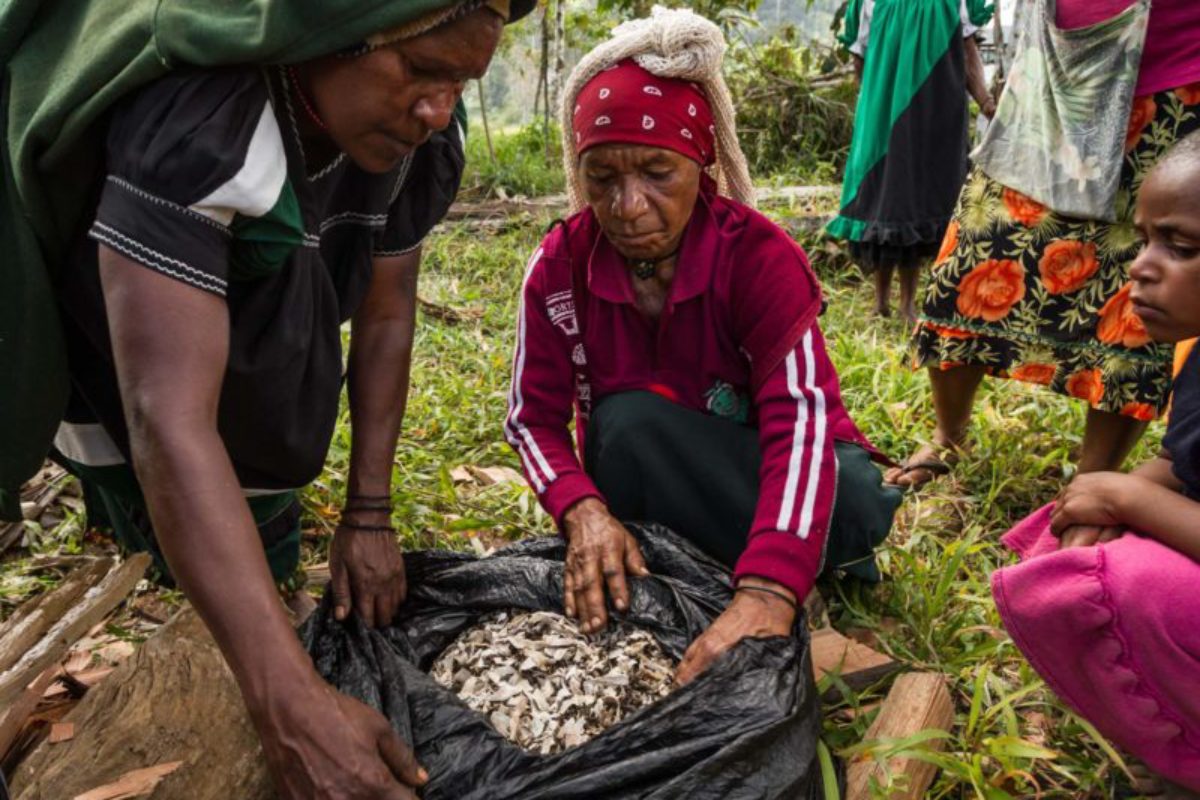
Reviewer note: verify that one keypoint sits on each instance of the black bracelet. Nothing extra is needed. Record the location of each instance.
(377, 528)
(765, 590)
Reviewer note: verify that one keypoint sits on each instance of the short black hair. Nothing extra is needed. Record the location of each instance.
(1184, 154)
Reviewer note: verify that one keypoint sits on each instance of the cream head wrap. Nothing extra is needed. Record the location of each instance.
(671, 43)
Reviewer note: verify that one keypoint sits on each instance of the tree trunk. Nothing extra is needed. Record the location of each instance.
(176, 700)
(545, 80)
(487, 131)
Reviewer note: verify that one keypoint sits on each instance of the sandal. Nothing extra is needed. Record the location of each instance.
(937, 466)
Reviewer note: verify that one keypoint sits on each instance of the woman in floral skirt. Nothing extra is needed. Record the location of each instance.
(1020, 291)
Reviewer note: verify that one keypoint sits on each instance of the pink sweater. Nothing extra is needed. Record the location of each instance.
(738, 331)
(1172, 55)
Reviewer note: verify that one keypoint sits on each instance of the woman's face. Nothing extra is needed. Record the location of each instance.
(643, 196)
(382, 105)
(1166, 273)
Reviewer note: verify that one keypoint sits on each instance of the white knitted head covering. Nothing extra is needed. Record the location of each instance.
(672, 43)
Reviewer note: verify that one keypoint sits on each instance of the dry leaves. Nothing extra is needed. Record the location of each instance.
(546, 686)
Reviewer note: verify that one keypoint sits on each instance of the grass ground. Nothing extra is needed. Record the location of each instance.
(1012, 738)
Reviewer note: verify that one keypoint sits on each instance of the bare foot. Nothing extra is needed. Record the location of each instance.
(910, 316)
(929, 462)
(882, 311)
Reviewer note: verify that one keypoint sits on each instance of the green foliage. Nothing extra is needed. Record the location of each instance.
(795, 122)
(523, 166)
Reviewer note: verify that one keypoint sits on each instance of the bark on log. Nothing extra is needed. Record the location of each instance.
(918, 701)
(176, 700)
(40, 633)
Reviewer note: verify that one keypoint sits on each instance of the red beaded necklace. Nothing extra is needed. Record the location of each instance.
(308, 108)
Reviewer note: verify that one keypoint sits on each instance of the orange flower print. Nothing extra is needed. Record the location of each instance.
(1022, 209)
(1066, 265)
(1035, 373)
(1141, 411)
(949, 242)
(1118, 324)
(1144, 109)
(991, 289)
(1087, 385)
(1189, 95)
(946, 332)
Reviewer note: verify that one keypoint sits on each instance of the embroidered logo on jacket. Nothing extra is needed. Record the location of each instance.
(560, 308)
(725, 401)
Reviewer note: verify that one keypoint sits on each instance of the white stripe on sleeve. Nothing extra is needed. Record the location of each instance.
(818, 442)
(516, 432)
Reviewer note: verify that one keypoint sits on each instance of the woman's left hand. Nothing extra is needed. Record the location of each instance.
(1088, 510)
(367, 570)
(751, 614)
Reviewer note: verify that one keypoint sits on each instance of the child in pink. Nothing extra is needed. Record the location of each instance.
(1106, 601)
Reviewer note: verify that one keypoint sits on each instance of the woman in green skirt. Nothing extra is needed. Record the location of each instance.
(916, 59)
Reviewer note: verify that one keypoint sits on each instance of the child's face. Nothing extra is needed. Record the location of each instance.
(1166, 273)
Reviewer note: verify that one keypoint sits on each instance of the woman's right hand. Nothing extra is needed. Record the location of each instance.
(599, 553)
(323, 745)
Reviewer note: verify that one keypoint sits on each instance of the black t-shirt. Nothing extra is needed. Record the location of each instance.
(207, 184)
(1183, 430)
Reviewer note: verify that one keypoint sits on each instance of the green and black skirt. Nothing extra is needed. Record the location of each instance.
(908, 157)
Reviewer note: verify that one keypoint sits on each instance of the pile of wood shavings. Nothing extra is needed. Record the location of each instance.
(546, 686)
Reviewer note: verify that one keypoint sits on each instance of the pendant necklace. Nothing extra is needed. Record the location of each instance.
(644, 268)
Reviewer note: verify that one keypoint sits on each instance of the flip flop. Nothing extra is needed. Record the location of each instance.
(937, 468)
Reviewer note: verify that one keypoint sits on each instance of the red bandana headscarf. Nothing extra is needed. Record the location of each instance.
(626, 104)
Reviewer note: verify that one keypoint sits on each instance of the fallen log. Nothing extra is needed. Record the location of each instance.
(174, 701)
(918, 701)
(40, 632)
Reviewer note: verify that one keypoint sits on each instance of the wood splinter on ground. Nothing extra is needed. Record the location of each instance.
(918, 701)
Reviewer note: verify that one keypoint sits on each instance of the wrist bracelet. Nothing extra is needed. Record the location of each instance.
(765, 590)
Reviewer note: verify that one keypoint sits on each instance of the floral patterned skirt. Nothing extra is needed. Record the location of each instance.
(1029, 294)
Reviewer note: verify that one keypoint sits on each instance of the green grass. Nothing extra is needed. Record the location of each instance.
(1012, 738)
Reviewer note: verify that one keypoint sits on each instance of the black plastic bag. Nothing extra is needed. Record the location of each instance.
(746, 728)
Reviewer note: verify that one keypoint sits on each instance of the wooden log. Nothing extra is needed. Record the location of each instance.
(857, 665)
(918, 701)
(175, 700)
(41, 633)
(18, 713)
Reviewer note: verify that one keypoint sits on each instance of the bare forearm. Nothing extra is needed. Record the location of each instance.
(1159, 470)
(381, 344)
(1163, 514)
(976, 84)
(209, 539)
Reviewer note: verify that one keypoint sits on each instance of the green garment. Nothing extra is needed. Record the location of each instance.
(908, 40)
(656, 461)
(67, 62)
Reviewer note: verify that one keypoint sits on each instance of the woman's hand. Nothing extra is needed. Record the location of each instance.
(599, 552)
(323, 745)
(751, 614)
(1088, 510)
(367, 568)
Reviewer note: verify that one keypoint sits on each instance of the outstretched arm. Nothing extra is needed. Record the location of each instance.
(170, 344)
(365, 560)
(976, 84)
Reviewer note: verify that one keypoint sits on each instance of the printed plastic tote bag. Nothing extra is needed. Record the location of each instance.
(1060, 125)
